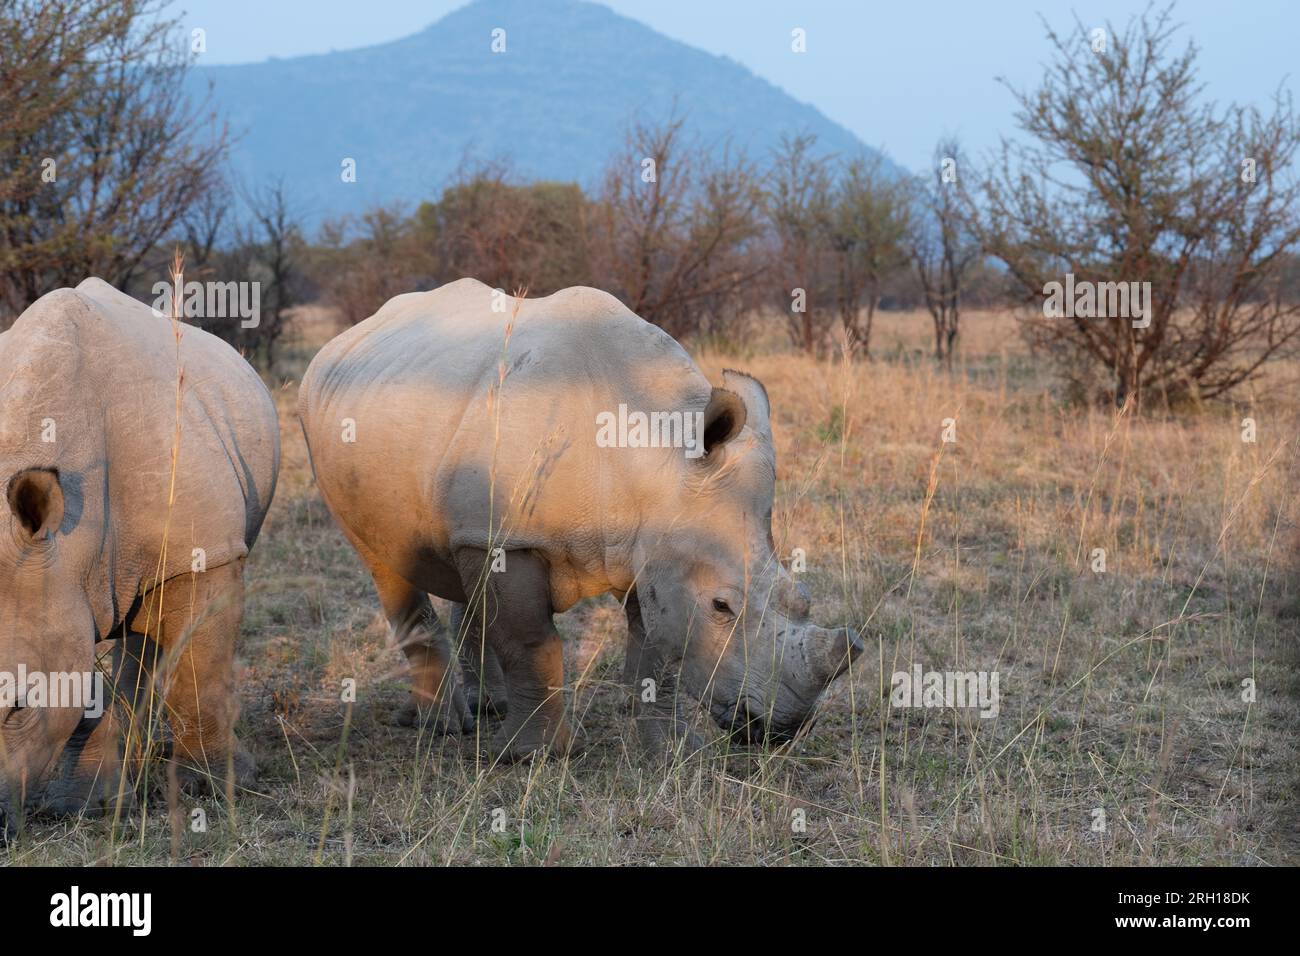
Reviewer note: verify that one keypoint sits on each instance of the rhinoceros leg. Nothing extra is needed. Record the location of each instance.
(437, 699)
(200, 619)
(485, 685)
(514, 605)
(136, 659)
(652, 677)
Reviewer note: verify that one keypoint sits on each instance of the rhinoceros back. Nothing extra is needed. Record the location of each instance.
(168, 449)
(473, 416)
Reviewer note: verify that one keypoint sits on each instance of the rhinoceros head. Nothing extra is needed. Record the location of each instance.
(712, 588)
(47, 634)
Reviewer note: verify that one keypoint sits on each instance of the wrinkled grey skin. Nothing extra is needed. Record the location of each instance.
(441, 429)
(88, 418)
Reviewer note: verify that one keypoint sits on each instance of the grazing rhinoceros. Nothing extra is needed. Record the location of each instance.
(93, 550)
(468, 444)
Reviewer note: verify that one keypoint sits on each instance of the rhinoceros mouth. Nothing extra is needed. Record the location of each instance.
(750, 729)
(61, 791)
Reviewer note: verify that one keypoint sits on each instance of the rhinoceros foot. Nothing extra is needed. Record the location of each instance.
(484, 682)
(667, 734)
(197, 780)
(523, 744)
(446, 718)
(484, 704)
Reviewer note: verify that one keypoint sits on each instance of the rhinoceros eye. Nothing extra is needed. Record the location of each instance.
(17, 715)
(721, 606)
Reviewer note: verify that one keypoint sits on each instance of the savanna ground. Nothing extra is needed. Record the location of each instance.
(1119, 690)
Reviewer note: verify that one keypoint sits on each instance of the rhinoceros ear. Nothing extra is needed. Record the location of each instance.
(723, 419)
(756, 404)
(36, 500)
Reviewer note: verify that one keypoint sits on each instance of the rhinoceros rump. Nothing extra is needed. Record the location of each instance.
(91, 549)
(456, 445)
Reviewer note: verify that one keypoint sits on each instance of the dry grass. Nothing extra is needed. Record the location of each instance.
(1119, 690)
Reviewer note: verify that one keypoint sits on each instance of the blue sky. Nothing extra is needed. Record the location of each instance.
(898, 75)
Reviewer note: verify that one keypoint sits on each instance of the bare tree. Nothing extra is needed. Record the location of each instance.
(259, 242)
(203, 225)
(942, 247)
(1128, 178)
(799, 204)
(866, 228)
(100, 149)
(674, 233)
(276, 241)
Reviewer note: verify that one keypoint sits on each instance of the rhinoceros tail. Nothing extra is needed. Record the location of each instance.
(310, 461)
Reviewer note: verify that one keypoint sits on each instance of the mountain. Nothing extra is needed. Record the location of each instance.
(555, 104)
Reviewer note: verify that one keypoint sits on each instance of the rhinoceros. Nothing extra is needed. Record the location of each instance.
(477, 447)
(107, 537)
